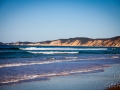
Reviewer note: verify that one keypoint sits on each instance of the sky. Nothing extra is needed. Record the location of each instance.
(41, 20)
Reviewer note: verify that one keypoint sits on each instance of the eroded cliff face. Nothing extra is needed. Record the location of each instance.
(86, 42)
(115, 41)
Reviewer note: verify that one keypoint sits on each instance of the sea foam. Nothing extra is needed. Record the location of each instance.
(35, 48)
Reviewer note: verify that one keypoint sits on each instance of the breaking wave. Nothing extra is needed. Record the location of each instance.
(53, 60)
(61, 50)
(35, 48)
(50, 52)
(34, 63)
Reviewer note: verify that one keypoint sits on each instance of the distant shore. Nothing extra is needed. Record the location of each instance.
(79, 41)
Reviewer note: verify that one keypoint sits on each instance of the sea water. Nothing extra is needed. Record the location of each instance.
(20, 64)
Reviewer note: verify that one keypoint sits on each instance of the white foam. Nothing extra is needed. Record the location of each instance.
(53, 52)
(115, 56)
(35, 48)
(24, 64)
(49, 62)
(32, 63)
(70, 57)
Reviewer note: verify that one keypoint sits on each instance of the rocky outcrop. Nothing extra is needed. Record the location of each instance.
(79, 41)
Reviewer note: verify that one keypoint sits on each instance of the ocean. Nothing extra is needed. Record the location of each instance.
(19, 64)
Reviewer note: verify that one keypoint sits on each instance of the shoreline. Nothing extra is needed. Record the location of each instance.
(48, 77)
(98, 81)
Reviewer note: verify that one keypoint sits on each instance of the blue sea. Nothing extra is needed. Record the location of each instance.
(19, 64)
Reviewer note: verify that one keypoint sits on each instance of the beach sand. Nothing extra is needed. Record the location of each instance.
(88, 81)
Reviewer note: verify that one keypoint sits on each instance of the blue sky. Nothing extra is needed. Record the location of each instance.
(41, 20)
